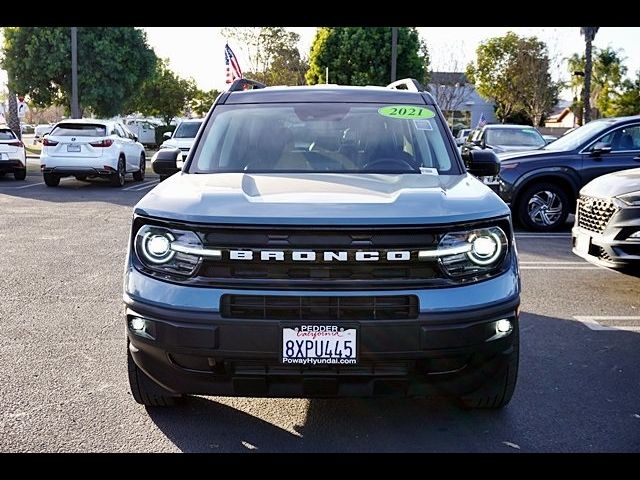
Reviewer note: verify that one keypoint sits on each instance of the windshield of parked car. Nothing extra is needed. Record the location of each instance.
(515, 137)
(577, 137)
(6, 135)
(323, 137)
(187, 130)
(79, 130)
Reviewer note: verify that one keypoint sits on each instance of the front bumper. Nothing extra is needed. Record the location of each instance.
(451, 348)
(612, 248)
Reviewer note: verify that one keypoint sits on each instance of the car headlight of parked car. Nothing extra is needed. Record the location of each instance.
(168, 250)
(473, 252)
(632, 199)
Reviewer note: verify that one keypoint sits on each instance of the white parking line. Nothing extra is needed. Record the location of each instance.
(28, 186)
(561, 268)
(141, 186)
(555, 263)
(543, 235)
(593, 322)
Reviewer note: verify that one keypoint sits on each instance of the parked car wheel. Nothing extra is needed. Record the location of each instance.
(139, 175)
(117, 179)
(497, 392)
(20, 175)
(145, 391)
(543, 207)
(51, 180)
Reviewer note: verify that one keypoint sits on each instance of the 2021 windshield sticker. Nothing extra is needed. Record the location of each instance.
(406, 112)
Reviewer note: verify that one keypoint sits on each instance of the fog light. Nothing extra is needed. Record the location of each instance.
(137, 324)
(634, 236)
(503, 326)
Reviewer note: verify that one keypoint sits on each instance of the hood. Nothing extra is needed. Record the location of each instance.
(179, 142)
(527, 155)
(322, 199)
(510, 148)
(613, 184)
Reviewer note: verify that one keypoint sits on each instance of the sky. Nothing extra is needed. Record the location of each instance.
(450, 48)
(198, 52)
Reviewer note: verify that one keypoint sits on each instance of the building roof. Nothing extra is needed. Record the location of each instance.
(448, 78)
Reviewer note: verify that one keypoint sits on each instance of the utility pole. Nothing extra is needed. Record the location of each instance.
(75, 110)
(394, 52)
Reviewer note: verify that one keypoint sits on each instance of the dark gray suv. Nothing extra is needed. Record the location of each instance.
(323, 241)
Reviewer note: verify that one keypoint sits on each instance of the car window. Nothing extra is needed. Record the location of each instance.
(120, 131)
(6, 135)
(187, 130)
(623, 139)
(579, 136)
(79, 130)
(320, 137)
(525, 137)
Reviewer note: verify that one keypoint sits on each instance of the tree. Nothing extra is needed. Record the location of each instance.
(627, 102)
(272, 52)
(514, 72)
(448, 85)
(12, 119)
(112, 64)
(362, 55)
(589, 34)
(164, 94)
(202, 101)
(607, 72)
(491, 73)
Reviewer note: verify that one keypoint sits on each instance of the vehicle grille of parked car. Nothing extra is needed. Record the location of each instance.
(594, 213)
(389, 257)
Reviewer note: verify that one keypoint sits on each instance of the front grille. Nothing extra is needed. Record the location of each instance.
(274, 307)
(594, 213)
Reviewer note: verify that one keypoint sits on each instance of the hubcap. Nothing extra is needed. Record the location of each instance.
(544, 208)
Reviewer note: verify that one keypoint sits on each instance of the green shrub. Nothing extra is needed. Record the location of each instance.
(160, 131)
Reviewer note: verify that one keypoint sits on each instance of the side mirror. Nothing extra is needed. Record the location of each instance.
(164, 162)
(481, 163)
(135, 137)
(166, 135)
(600, 147)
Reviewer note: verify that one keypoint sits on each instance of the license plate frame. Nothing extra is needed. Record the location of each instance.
(301, 333)
(583, 243)
(73, 148)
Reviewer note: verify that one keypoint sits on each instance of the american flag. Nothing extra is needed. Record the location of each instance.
(483, 121)
(233, 67)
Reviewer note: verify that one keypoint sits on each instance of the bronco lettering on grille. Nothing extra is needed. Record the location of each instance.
(327, 256)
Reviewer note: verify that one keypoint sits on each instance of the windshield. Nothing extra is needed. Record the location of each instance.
(187, 130)
(6, 135)
(323, 137)
(525, 137)
(577, 137)
(79, 130)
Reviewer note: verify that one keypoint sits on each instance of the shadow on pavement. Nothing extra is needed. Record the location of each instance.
(573, 394)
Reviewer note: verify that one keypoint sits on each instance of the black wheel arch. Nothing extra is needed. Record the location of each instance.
(565, 179)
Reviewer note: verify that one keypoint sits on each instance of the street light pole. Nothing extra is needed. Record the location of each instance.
(394, 52)
(75, 110)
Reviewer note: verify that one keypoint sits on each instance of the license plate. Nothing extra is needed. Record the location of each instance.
(582, 243)
(73, 148)
(319, 344)
(493, 180)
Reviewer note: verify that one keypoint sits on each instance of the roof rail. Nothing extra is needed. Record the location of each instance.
(244, 83)
(410, 84)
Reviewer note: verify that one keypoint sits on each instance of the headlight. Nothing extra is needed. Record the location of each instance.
(168, 250)
(632, 199)
(473, 252)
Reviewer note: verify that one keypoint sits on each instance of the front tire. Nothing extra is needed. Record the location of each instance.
(144, 390)
(51, 180)
(117, 179)
(139, 175)
(20, 174)
(543, 207)
(498, 390)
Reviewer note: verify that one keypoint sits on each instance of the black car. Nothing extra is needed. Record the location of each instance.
(607, 227)
(542, 186)
(504, 138)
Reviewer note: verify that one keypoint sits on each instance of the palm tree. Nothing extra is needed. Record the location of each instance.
(589, 33)
(12, 119)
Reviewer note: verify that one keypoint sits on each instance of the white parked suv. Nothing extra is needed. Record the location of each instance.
(13, 158)
(183, 137)
(91, 148)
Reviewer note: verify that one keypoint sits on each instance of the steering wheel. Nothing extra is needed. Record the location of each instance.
(390, 163)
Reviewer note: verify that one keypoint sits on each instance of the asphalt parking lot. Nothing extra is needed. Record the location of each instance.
(63, 380)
